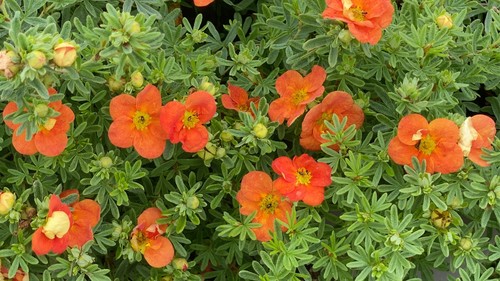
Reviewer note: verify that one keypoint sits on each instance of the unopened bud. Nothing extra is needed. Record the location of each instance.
(180, 264)
(208, 87)
(208, 152)
(37, 59)
(345, 36)
(41, 110)
(221, 152)
(64, 54)
(116, 85)
(260, 131)
(444, 21)
(466, 244)
(7, 200)
(192, 202)
(226, 136)
(106, 162)
(137, 79)
(135, 27)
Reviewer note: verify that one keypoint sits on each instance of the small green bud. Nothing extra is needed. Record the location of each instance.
(208, 152)
(106, 162)
(37, 59)
(260, 131)
(345, 36)
(192, 202)
(41, 110)
(116, 85)
(134, 28)
(226, 136)
(137, 79)
(208, 87)
(221, 152)
(444, 21)
(466, 244)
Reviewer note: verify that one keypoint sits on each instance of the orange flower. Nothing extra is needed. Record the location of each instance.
(19, 276)
(365, 18)
(136, 122)
(477, 132)
(64, 228)
(302, 178)
(295, 93)
(50, 139)
(184, 122)
(338, 103)
(147, 238)
(434, 142)
(258, 194)
(202, 3)
(238, 100)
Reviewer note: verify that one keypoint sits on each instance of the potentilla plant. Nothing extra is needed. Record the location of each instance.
(249, 140)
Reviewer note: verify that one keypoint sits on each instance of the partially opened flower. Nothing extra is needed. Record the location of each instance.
(147, 238)
(477, 132)
(202, 3)
(238, 100)
(50, 139)
(339, 103)
(365, 18)
(258, 194)
(54, 234)
(136, 122)
(184, 122)
(435, 142)
(295, 93)
(302, 178)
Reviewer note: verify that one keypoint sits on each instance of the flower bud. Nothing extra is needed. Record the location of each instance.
(192, 202)
(64, 54)
(7, 200)
(208, 87)
(444, 21)
(208, 152)
(41, 110)
(441, 219)
(226, 136)
(135, 27)
(180, 264)
(260, 131)
(115, 85)
(345, 36)
(37, 59)
(221, 152)
(8, 64)
(137, 79)
(466, 243)
(106, 162)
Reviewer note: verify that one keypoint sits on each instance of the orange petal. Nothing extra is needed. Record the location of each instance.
(55, 204)
(448, 158)
(148, 145)
(160, 253)
(87, 212)
(310, 143)
(79, 235)
(149, 216)
(337, 102)
(50, 144)
(485, 127)
(409, 126)
(194, 139)
(314, 196)
(122, 105)
(11, 107)
(149, 100)
(122, 132)
(288, 83)
(40, 244)
(69, 192)
(314, 82)
(401, 153)
(442, 129)
(228, 102)
(171, 119)
(257, 181)
(202, 3)
(202, 103)
(284, 167)
(237, 94)
(284, 187)
(475, 156)
(22, 145)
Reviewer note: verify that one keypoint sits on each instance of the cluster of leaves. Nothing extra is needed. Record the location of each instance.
(379, 221)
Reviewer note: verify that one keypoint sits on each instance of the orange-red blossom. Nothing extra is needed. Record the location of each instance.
(477, 132)
(435, 142)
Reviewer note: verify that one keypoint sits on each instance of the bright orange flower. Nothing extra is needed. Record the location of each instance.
(136, 122)
(258, 194)
(365, 18)
(295, 93)
(302, 178)
(147, 238)
(338, 103)
(50, 139)
(238, 100)
(184, 122)
(477, 132)
(202, 3)
(20, 275)
(435, 142)
(65, 228)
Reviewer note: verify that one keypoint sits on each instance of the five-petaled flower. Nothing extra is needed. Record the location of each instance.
(302, 178)
(365, 18)
(64, 227)
(435, 142)
(477, 132)
(338, 103)
(50, 139)
(295, 93)
(136, 122)
(238, 100)
(147, 238)
(258, 194)
(184, 122)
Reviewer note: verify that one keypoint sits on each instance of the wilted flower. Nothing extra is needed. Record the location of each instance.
(136, 122)
(436, 142)
(295, 93)
(365, 18)
(258, 194)
(8, 64)
(147, 238)
(184, 122)
(477, 132)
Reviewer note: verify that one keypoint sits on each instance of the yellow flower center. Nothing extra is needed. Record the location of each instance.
(352, 12)
(57, 225)
(427, 145)
(141, 120)
(139, 242)
(269, 203)
(299, 96)
(303, 176)
(48, 125)
(190, 119)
